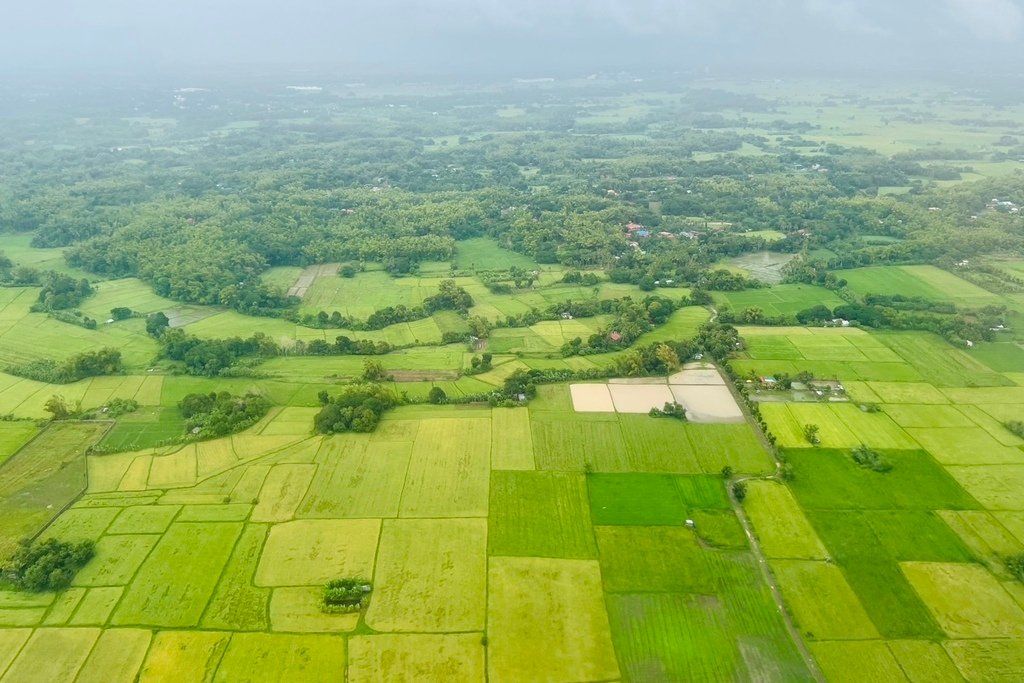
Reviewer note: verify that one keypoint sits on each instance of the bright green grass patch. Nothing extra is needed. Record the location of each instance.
(237, 604)
(966, 600)
(928, 282)
(735, 445)
(822, 602)
(430, 489)
(780, 299)
(44, 477)
(682, 324)
(540, 514)
(829, 479)
(675, 637)
(908, 392)
(927, 416)
(511, 439)
(1000, 356)
(252, 657)
(567, 444)
(663, 558)
(940, 363)
(635, 499)
(116, 561)
(656, 445)
(923, 661)
(483, 253)
(781, 526)
(966, 446)
(853, 662)
(116, 657)
(14, 435)
(988, 660)
(81, 524)
(52, 654)
(996, 487)
(145, 428)
(356, 479)
(144, 519)
(175, 582)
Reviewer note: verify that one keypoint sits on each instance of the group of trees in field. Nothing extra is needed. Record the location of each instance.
(61, 292)
(219, 413)
(105, 361)
(357, 408)
(48, 565)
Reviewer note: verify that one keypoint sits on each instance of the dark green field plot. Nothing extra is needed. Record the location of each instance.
(662, 558)
(868, 546)
(829, 479)
(637, 499)
(540, 514)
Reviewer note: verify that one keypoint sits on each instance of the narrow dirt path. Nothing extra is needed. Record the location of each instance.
(769, 579)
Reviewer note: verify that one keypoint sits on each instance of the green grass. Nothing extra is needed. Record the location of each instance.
(635, 499)
(14, 435)
(177, 579)
(482, 253)
(539, 514)
(927, 282)
(657, 558)
(939, 362)
(43, 478)
(781, 525)
(829, 479)
(780, 299)
(144, 428)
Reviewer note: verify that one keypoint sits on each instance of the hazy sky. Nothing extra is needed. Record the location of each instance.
(531, 35)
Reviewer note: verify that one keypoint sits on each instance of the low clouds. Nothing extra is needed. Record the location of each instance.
(1001, 20)
(449, 34)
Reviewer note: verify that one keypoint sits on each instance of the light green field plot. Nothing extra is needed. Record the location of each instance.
(780, 524)
(253, 657)
(829, 479)
(928, 282)
(232, 324)
(996, 487)
(237, 604)
(429, 658)
(572, 644)
(45, 476)
(52, 654)
(928, 416)
(128, 293)
(923, 661)
(561, 442)
(64, 606)
(511, 440)
(116, 657)
(908, 392)
(853, 662)
(283, 490)
(682, 324)
(982, 532)
(966, 446)
(990, 661)
(657, 445)
(735, 445)
(95, 608)
(482, 253)
(780, 299)
(1005, 396)
(329, 368)
(37, 336)
(81, 524)
(297, 609)
(447, 590)
(183, 656)
(357, 480)
(18, 248)
(941, 363)
(540, 514)
(994, 427)
(453, 481)
(14, 435)
(822, 602)
(117, 559)
(175, 582)
(966, 600)
(149, 519)
(312, 552)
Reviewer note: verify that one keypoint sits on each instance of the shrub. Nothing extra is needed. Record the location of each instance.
(811, 434)
(357, 409)
(1015, 565)
(346, 595)
(739, 491)
(437, 396)
(211, 415)
(870, 460)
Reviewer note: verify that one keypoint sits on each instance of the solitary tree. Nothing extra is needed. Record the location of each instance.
(811, 434)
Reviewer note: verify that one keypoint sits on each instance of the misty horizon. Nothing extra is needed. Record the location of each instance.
(531, 38)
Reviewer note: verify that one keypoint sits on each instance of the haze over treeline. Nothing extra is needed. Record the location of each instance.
(527, 37)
